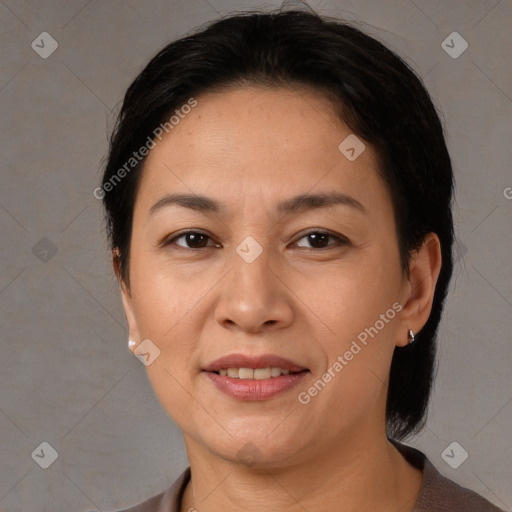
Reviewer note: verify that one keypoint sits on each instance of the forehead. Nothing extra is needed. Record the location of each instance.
(262, 144)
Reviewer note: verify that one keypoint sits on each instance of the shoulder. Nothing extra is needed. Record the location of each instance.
(438, 493)
(166, 501)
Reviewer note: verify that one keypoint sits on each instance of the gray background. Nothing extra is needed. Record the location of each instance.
(66, 376)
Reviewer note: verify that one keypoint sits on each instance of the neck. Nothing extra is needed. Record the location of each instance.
(355, 476)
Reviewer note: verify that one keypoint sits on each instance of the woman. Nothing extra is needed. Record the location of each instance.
(278, 197)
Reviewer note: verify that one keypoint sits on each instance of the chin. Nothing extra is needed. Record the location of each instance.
(256, 449)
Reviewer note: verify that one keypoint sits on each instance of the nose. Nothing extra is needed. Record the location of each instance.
(253, 297)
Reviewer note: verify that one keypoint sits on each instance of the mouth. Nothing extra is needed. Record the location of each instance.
(255, 373)
(241, 366)
(254, 378)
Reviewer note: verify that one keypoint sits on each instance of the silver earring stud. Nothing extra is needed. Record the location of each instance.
(411, 336)
(131, 344)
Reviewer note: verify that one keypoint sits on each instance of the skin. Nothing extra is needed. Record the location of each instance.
(250, 148)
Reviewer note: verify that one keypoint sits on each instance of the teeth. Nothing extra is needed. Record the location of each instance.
(245, 373)
(261, 373)
(275, 372)
(249, 373)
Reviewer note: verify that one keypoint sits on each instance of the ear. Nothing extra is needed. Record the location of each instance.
(420, 286)
(126, 299)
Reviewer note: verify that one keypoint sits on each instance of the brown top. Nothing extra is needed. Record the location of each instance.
(437, 493)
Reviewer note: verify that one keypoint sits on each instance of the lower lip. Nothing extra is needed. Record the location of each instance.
(252, 389)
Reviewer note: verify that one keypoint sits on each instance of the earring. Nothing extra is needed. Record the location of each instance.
(411, 336)
(131, 344)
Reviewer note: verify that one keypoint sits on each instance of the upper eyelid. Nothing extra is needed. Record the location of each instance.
(168, 239)
(340, 238)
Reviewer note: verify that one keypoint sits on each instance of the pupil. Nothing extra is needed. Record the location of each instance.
(315, 237)
(194, 237)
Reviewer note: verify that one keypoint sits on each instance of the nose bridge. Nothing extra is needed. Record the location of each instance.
(251, 262)
(253, 295)
(251, 275)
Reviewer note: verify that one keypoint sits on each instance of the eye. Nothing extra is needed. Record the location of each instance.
(319, 240)
(192, 240)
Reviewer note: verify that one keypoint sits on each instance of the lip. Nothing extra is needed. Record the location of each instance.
(244, 361)
(264, 389)
(255, 389)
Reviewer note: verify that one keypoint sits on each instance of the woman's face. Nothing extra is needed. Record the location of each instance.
(252, 282)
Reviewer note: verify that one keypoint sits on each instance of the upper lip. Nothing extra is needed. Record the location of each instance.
(244, 361)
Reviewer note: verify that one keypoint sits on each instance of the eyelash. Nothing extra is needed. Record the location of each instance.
(340, 241)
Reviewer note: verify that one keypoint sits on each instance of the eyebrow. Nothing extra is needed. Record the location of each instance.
(294, 205)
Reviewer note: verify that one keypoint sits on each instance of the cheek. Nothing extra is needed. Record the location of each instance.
(164, 298)
(358, 349)
(170, 312)
(353, 299)
(360, 306)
